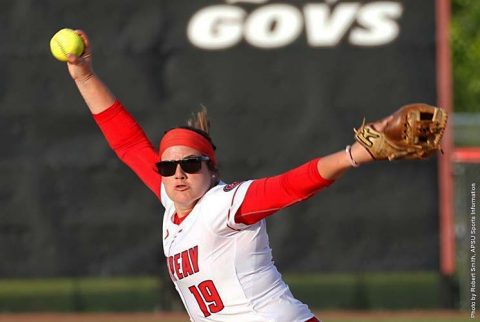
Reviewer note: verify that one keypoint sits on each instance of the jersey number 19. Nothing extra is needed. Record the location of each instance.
(207, 297)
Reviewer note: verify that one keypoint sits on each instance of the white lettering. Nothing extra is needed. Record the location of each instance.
(273, 26)
(378, 22)
(276, 25)
(216, 27)
(325, 28)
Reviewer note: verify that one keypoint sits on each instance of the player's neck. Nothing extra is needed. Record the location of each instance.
(183, 211)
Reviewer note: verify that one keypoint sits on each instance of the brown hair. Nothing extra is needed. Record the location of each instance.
(200, 123)
(200, 120)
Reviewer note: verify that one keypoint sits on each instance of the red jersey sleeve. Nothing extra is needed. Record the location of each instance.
(130, 143)
(268, 195)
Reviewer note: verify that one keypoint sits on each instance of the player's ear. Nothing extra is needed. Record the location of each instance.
(214, 173)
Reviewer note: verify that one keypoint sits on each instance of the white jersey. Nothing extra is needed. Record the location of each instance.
(223, 270)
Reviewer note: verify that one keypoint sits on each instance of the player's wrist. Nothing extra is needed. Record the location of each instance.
(350, 159)
(358, 155)
(84, 77)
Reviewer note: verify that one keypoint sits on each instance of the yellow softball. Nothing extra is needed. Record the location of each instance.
(66, 41)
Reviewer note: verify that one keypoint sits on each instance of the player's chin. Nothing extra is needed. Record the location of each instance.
(185, 197)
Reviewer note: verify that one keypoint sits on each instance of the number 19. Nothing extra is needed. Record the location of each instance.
(207, 297)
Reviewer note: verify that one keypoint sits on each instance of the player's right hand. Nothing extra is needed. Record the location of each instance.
(80, 67)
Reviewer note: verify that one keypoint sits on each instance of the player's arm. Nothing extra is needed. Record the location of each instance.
(266, 196)
(120, 129)
(96, 94)
(130, 143)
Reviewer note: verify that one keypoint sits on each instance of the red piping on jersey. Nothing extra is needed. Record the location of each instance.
(178, 220)
(230, 209)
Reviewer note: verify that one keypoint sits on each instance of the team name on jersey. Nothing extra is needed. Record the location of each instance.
(183, 264)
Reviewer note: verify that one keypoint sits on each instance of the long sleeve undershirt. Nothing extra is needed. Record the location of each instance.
(264, 196)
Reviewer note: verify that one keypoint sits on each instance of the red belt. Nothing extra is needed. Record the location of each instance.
(314, 319)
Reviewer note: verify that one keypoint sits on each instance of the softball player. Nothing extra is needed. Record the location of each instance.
(214, 234)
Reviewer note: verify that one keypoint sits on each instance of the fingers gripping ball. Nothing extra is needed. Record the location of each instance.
(414, 132)
(64, 42)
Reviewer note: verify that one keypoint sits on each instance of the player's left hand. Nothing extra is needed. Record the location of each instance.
(359, 153)
(412, 132)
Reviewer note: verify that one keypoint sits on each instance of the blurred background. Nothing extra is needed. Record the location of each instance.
(284, 82)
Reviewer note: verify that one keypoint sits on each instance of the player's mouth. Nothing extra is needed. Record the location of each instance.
(181, 187)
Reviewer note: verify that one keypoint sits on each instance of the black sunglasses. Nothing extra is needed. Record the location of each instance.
(189, 165)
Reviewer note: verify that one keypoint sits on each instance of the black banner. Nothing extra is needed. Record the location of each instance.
(284, 82)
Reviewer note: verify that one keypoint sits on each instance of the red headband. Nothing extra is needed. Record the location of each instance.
(188, 138)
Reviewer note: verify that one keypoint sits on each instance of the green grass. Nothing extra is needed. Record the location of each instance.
(379, 291)
(382, 291)
(84, 294)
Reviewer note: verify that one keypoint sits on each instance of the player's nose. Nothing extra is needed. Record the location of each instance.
(179, 173)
